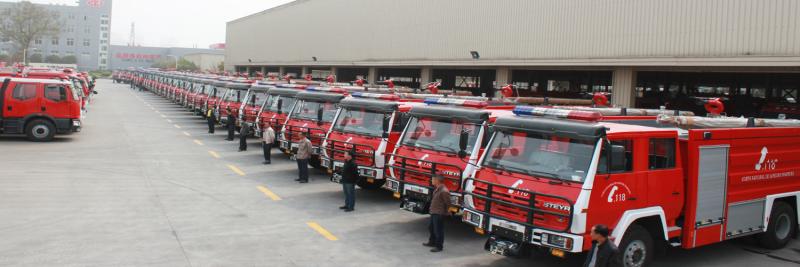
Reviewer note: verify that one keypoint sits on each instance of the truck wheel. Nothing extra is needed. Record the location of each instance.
(782, 221)
(315, 162)
(40, 130)
(636, 248)
(376, 184)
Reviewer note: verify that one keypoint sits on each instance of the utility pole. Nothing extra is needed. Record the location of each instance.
(133, 34)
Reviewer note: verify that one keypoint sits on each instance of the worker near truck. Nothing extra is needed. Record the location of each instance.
(302, 156)
(350, 176)
(211, 122)
(231, 124)
(269, 139)
(603, 252)
(440, 201)
(243, 137)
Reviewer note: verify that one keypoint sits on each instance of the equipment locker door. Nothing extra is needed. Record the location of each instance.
(712, 181)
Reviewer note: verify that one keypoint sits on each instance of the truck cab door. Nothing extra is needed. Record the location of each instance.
(664, 177)
(22, 101)
(56, 101)
(618, 186)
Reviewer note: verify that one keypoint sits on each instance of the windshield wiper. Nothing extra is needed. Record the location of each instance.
(533, 173)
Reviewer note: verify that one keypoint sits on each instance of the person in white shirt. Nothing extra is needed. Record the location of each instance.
(269, 139)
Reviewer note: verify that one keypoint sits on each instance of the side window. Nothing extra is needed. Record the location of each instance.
(400, 122)
(662, 153)
(55, 93)
(621, 154)
(24, 91)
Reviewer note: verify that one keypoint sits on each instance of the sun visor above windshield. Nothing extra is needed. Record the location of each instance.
(237, 86)
(320, 97)
(470, 115)
(567, 128)
(218, 83)
(368, 104)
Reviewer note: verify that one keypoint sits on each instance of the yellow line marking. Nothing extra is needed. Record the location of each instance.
(177, 126)
(269, 193)
(186, 133)
(236, 170)
(198, 142)
(214, 154)
(322, 231)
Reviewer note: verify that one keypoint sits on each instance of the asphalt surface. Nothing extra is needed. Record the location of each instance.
(145, 185)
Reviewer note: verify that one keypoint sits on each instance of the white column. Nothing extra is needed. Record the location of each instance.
(372, 75)
(623, 84)
(425, 76)
(281, 71)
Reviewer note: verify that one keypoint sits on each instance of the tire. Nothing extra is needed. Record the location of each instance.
(376, 184)
(40, 130)
(315, 162)
(636, 248)
(782, 226)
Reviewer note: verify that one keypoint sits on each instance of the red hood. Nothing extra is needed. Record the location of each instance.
(250, 113)
(448, 165)
(365, 145)
(318, 131)
(274, 118)
(224, 105)
(551, 196)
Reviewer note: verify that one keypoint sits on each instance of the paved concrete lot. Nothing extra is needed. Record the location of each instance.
(144, 184)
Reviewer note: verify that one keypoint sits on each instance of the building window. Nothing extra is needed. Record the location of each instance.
(71, 16)
(70, 53)
(70, 28)
(54, 52)
(87, 30)
(104, 28)
(70, 42)
(104, 48)
(85, 54)
(105, 35)
(104, 22)
(103, 41)
(86, 42)
(37, 41)
(54, 41)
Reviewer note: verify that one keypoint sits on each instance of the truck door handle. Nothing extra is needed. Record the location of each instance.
(676, 193)
(9, 108)
(44, 109)
(632, 198)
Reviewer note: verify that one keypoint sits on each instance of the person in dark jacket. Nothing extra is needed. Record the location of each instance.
(440, 202)
(231, 124)
(349, 178)
(603, 252)
(211, 121)
(243, 133)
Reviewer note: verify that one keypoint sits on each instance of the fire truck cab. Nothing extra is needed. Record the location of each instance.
(235, 93)
(252, 103)
(545, 182)
(368, 125)
(313, 113)
(445, 137)
(215, 95)
(39, 108)
(276, 109)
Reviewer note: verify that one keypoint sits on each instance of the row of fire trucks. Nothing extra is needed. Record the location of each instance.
(532, 176)
(43, 102)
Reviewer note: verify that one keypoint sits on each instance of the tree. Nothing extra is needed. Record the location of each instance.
(221, 66)
(70, 59)
(36, 58)
(55, 59)
(24, 22)
(169, 63)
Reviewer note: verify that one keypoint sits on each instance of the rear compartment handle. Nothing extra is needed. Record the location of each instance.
(676, 193)
(44, 109)
(632, 198)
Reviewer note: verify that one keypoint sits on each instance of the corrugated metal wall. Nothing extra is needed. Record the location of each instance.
(362, 31)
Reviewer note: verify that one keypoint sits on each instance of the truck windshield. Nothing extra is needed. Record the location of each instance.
(220, 92)
(439, 134)
(360, 121)
(286, 103)
(76, 91)
(233, 96)
(540, 155)
(256, 98)
(308, 110)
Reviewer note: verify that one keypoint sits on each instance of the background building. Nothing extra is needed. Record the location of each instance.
(123, 56)
(205, 60)
(85, 34)
(648, 52)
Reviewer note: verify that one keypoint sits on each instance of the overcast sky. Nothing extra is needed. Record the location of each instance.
(182, 23)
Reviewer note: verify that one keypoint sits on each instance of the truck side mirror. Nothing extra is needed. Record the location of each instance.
(462, 144)
(319, 115)
(280, 103)
(385, 128)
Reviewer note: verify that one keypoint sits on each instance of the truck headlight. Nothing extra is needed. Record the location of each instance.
(76, 123)
(557, 241)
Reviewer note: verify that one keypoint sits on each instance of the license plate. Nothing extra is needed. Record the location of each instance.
(284, 145)
(336, 178)
(507, 226)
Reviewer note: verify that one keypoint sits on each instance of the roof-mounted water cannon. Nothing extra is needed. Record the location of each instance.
(359, 82)
(557, 113)
(600, 100)
(714, 107)
(287, 78)
(308, 77)
(330, 79)
(325, 89)
(293, 86)
(273, 76)
(457, 102)
(259, 75)
(507, 90)
(387, 97)
(433, 87)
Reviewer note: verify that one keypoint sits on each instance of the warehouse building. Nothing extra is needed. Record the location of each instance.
(124, 56)
(85, 34)
(647, 53)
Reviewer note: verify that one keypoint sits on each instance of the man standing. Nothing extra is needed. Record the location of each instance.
(302, 156)
(231, 124)
(243, 133)
(440, 201)
(211, 121)
(349, 174)
(269, 139)
(603, 252)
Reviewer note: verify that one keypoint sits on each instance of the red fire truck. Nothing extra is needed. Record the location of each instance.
(39, 108)
(545, 182)
(313, 113)
(370, 124)
(236, 91)
(253, 103)
(201, 98)
(276, 109)
(446, 138)
(215, 95)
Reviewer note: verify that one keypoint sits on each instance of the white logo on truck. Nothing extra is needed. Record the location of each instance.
(616, 192)
(764, 163)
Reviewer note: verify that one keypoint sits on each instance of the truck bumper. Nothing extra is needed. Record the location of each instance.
(507, 238)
